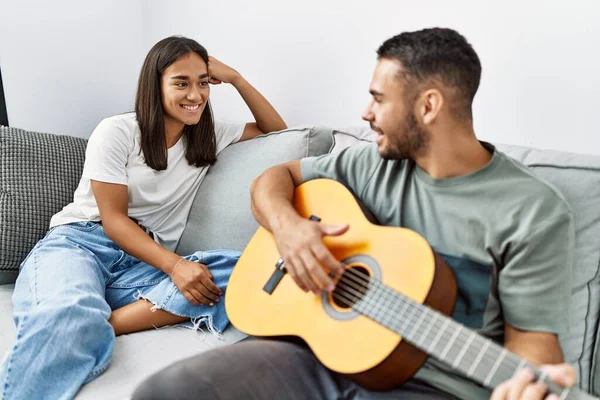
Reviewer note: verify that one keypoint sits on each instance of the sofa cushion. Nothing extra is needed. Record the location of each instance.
(220, 216)
(40, 172)
(578, 179)
(352, 136)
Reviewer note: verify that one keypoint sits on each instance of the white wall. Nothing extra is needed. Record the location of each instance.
(313, 59)
(66, 64)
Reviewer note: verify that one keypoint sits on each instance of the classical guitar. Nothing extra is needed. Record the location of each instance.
(389, 310)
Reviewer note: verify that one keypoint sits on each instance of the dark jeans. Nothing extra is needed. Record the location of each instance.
(264, 369)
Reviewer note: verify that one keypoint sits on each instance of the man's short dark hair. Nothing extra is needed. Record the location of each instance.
(437, 53)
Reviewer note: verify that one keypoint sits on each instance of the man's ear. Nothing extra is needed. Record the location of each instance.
(429, 105)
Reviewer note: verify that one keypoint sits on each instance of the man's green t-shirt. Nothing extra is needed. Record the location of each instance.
(507, 235)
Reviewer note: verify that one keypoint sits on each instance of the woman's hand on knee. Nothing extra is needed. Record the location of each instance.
(194, 281)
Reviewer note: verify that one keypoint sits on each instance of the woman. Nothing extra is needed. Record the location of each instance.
(107, 267)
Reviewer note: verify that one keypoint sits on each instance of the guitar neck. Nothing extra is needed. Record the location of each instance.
(476, 357)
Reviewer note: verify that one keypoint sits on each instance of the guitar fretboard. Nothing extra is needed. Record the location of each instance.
(474, 356)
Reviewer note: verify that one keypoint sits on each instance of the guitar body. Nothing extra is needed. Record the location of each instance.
(344, 340)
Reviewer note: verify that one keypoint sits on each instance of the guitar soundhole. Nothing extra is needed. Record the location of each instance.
(351, 287)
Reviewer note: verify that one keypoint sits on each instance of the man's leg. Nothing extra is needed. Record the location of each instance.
(250, 370)
(263, 370)
(411, 390)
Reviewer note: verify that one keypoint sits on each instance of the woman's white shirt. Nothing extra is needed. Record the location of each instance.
(159, 200)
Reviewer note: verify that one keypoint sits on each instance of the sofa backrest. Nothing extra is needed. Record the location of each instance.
(220, 216)
(40, 172)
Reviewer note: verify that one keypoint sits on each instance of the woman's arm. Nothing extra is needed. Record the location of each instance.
(112, 200)
(267, 119)
(193, 280)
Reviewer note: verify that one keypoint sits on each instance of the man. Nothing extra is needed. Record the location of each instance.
(507, 235)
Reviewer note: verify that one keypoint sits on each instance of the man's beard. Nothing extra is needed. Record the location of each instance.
(413, 141)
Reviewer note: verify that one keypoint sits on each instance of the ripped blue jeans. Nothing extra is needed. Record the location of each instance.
(68, 286)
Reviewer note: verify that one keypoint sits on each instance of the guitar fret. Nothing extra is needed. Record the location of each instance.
(390, 305)
(464, 349)
(399, 321)
(376, 312)
(450, 343)
(418, 324)
(408, 317)
(428, 329)
(478, 358)
(439, 335)
(521, 365)
(488, 378)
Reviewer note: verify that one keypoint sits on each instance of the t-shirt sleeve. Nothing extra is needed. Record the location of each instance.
(227, 133)
(534, 285)
(107, 152)
(353, 166)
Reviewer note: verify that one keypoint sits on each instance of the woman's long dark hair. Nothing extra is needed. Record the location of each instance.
(199, 140)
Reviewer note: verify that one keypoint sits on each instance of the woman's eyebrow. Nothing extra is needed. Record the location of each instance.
(185, 77)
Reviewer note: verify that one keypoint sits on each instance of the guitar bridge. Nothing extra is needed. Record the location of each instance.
(275, 278)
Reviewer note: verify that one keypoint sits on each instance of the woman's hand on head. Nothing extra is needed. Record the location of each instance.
(220, 72)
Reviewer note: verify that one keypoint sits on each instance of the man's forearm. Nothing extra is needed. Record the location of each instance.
(535, 354)
(536, 347)
(272, 195)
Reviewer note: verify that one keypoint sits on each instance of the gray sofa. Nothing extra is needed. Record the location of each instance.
(220, 218)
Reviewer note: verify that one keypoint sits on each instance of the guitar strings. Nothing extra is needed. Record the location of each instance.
(511, 360)
(514, 364)
(359, 277)
(574, 395)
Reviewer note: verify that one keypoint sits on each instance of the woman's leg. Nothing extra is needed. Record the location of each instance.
(144, 297)
(138, 316)
(63, 336)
